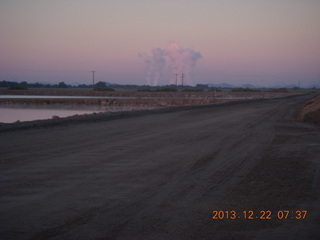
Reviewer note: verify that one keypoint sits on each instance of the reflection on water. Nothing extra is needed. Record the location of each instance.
(60, 97)
(15, 112)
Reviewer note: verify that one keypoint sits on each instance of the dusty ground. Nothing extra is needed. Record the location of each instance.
(310, 111)
(160, 176)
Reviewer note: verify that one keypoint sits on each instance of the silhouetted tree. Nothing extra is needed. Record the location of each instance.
(62, 85)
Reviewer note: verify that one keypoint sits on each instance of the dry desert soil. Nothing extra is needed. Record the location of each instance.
(162, 174)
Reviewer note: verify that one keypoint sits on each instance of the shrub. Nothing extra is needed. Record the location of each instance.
(244, 90)
(166, 89)
(144, 90)
(104, 89)
(18, 87)
(192, 90)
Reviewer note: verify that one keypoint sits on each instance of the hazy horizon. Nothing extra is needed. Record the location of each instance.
(139, 42)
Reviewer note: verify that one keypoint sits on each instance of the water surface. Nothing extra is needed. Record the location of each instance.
(19, 112)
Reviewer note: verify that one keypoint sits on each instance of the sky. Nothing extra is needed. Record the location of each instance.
(261, 42)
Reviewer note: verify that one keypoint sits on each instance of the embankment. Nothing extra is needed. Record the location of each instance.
(130, 98)
(310, 111)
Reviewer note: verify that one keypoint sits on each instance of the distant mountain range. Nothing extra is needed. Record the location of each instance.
(226, 85)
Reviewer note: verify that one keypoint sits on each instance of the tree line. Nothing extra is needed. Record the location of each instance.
(26, 85)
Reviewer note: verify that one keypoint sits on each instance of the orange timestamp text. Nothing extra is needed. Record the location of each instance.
(263, 214)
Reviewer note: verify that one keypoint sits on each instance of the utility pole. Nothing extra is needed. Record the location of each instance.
(93, 78)
(182, 76)
(176, 79)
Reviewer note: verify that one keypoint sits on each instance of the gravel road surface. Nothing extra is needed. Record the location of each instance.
(161, 176)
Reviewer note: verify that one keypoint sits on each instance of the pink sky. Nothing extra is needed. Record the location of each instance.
(249, 41)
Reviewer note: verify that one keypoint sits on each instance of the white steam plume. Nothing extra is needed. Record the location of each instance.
(154, 65)
(183, 60)
(181, 65)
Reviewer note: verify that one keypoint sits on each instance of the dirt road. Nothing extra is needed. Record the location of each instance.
(161, 176)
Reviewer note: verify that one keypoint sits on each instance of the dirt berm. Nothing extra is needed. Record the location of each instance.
(310, 111)
(163, 175)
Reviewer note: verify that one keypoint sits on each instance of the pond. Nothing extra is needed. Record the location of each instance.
(19, 112)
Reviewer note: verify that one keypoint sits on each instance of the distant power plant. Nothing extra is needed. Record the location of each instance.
(181, 63)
